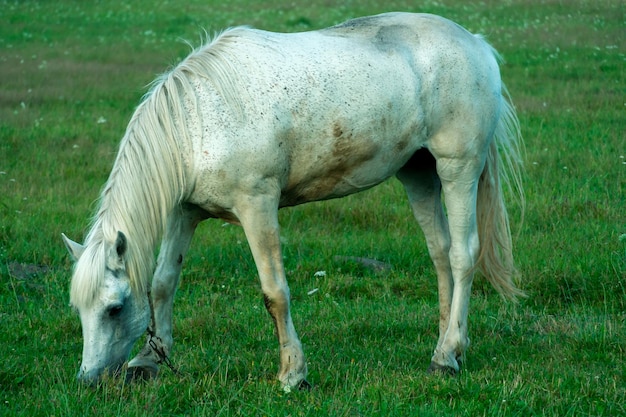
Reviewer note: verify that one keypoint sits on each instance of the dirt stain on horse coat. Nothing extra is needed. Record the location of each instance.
(332, 169)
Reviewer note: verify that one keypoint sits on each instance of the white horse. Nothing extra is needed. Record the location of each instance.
(255, 121)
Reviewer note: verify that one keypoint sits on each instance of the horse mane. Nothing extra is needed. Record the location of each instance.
(147, 179)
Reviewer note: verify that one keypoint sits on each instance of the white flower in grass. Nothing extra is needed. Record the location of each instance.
(101, 120)
(320, 274)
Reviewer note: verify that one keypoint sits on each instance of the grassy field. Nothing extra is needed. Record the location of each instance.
(71, 74)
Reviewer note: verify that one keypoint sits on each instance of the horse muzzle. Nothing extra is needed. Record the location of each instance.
(94, 375)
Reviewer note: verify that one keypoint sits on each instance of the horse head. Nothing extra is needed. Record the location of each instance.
(113, 316)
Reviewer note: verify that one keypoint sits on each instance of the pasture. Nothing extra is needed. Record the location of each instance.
(71, 74)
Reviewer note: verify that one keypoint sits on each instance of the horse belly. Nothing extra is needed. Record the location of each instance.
(346, 161)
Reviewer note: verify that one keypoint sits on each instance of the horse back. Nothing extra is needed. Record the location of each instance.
(328, 113)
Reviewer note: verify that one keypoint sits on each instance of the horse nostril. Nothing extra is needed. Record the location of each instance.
(90, 377)
(86, 379)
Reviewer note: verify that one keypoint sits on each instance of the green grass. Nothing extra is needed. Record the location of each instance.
(71, 74)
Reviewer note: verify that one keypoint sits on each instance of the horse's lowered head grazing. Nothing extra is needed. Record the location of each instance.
(112, 315)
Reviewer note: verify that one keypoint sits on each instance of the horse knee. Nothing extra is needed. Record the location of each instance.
(276, 303)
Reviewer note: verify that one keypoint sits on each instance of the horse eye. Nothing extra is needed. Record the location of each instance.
(115, 310)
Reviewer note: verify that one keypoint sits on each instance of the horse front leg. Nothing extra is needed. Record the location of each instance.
(259, 218)
(180, 227)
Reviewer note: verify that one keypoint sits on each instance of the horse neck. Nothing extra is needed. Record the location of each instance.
(145, 184)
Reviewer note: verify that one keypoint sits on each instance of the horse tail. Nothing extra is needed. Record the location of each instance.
(502, 168)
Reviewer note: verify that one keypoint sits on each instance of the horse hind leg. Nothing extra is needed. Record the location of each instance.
(459, 174)
(423, 187)
(180, 227)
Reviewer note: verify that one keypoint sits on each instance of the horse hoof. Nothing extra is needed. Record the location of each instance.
(301, 386)
(141, 373)
(304, 385)
(445, 370)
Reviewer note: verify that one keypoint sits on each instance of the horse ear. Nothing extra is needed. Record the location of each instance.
(75, 249)
(120, 244)
(115, 252)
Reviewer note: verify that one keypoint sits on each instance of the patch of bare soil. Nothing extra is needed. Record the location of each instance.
(26, 271)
